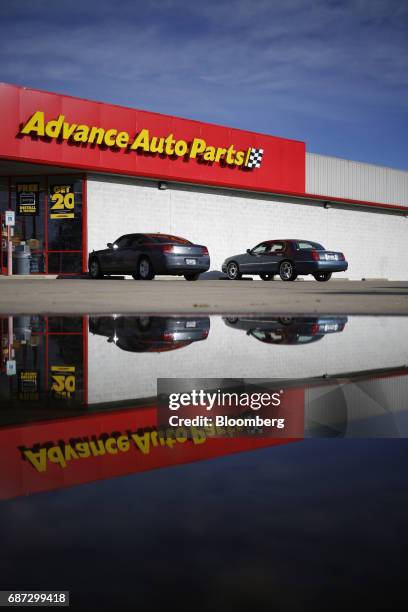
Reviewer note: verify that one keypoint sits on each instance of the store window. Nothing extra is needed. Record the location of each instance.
(49, 220)
(28, 195)
(64, 225)
(50, 355)
(4, 203)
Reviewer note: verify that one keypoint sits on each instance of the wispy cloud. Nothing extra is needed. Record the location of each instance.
(259, 65)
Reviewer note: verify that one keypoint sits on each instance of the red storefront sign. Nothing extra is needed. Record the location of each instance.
(71, 451)
(52, 129)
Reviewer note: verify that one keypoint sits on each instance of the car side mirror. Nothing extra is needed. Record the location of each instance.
(248, 251)
(109, 245)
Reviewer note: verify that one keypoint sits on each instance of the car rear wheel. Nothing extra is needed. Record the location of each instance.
(144, 269)
(233, 271)
(266, 276)
(322, 277)
(144, 323)
(286, 320)
(95, 269)
(192, 277)
(287, 271)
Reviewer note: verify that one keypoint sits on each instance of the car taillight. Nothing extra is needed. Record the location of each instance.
(315, 329)
(341, 257)
(168, 336)
(205, 333)
(204, 250)
(315, 256)
(167, 248)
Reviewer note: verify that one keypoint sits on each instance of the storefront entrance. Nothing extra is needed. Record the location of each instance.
(49, 212)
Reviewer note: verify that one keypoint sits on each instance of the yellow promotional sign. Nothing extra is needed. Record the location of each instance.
(28, 199)
(28, 384)
(63, 381)
(62, 202)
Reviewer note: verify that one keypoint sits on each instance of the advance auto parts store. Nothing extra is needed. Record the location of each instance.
(79, 174)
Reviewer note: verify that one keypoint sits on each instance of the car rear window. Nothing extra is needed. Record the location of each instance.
(308, 246)
(168, 239)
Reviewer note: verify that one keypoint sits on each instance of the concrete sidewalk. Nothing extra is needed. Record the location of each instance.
(41, 295)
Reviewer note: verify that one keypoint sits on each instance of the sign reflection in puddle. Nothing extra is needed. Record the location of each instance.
(78, 395)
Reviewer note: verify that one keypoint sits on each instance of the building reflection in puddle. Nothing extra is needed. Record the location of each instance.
(78, 399)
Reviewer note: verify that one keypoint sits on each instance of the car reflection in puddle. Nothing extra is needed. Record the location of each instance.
(89, 473)
(150, 334)
(65, 388)
(287, 330)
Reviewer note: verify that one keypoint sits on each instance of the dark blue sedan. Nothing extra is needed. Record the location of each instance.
(145, 334)
(144, 255)
(288, 258)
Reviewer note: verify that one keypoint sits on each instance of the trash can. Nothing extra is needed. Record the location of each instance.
(21, 259)
(22, 328)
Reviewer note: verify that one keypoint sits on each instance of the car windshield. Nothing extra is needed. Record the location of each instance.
(307, 246)
(168, 239)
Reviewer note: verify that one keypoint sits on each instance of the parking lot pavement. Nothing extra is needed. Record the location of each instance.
(120, 296)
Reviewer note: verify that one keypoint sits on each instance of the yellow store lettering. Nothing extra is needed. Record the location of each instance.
(198, 148)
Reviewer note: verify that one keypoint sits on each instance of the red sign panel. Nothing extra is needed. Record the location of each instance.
(65, 452)
(48, 128)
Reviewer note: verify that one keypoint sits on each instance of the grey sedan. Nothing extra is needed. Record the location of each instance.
(150, 334)
(144, 255)
(288, 258)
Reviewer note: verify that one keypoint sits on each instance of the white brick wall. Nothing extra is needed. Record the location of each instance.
(229, 223)
(366, 343)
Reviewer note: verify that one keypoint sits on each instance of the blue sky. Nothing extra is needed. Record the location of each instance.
(332, 73)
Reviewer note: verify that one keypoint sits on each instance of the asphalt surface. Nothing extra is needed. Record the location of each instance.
(24, 296)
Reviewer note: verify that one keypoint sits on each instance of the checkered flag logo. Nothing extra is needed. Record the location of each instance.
(255, 158)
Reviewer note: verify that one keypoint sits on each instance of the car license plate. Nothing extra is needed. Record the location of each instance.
(331, 257)
(191, 324)
(191, 262)
(330, 327)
